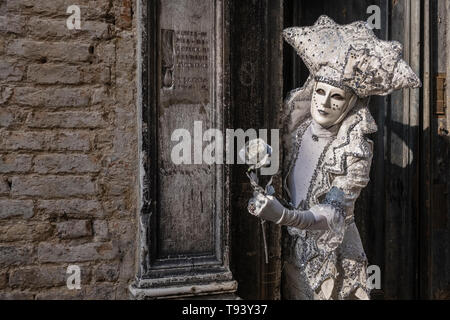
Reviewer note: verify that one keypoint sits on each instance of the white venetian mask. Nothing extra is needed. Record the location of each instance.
(330, 105)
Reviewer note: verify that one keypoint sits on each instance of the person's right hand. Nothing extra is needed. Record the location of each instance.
(265, 207)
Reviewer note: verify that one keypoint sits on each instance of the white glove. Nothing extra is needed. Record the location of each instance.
(269, 208)
(265, 207)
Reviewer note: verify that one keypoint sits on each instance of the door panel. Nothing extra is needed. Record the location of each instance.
(256, 95)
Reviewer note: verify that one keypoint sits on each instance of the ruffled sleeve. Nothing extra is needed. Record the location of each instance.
(333, 211)
(356, 178)
(338, 204)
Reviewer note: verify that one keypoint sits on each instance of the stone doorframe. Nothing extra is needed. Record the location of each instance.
(189, 275)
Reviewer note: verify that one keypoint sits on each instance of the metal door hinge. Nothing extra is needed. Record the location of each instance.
(441, 101)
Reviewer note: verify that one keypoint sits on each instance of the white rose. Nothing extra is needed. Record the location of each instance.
(258, 152)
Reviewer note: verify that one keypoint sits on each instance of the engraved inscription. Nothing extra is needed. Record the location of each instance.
(185, 60)
(167, 58)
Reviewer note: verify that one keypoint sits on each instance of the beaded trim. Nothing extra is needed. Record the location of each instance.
(326, 184)
(337, 205)
(316, 171)
(358, 268)
(377, 67)
(334, 83)
(346, 142)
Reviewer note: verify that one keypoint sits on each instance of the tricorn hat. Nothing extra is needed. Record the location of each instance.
(351, 56)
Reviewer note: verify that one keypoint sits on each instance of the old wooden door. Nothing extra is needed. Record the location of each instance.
(256, 97)
(435, 163)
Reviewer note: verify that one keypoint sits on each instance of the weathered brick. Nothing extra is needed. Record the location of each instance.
(74, 229)
(37, 6)
(56, 85)
(106, 272)
(100, 95)
(65, 120)
(3, 8)
(16, 295)
(15, 255)
(16, 208)
(6, 118)
(124, 144)
(44, 276)
(3, 279)
(123, 292)
(106, 52)
(125, 117)
(52, 97)
(124, 233)
(10, 117)
(61, 293)
(125, 62)
(12, 24)
(116, 206)
(72, 141)
(65, 163)
(90, 9)
(37, 277)
(2, 46)
(11, 71)
(53, 74)
(103, 291)
(21, 140)
(117, 188)
(56, 28)
(67, 74)
(31, 231)
(50, 252)
(52, 186)
(5, 94)
(4, 186)
(96, 74)
(125, 14)
(15, 162)
(52, 51)
(74, 208)
(101, 231)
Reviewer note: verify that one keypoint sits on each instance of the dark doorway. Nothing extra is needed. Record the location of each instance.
(403, 214)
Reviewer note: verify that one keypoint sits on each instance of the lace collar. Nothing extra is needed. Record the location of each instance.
(350, 139)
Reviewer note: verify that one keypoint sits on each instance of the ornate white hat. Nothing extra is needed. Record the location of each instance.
(351, 56)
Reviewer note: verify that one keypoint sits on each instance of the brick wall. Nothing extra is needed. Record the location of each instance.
(68, 148)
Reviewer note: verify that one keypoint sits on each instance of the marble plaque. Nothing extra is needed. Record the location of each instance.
(186, 31)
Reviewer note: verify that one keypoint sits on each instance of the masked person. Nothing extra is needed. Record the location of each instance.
(328, 156)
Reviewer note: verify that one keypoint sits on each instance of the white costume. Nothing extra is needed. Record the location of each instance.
(326, 169)
(343, 161)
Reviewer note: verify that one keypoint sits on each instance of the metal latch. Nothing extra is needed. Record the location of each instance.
(441, 101)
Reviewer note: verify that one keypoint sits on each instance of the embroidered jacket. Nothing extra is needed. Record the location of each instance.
(335, 254)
